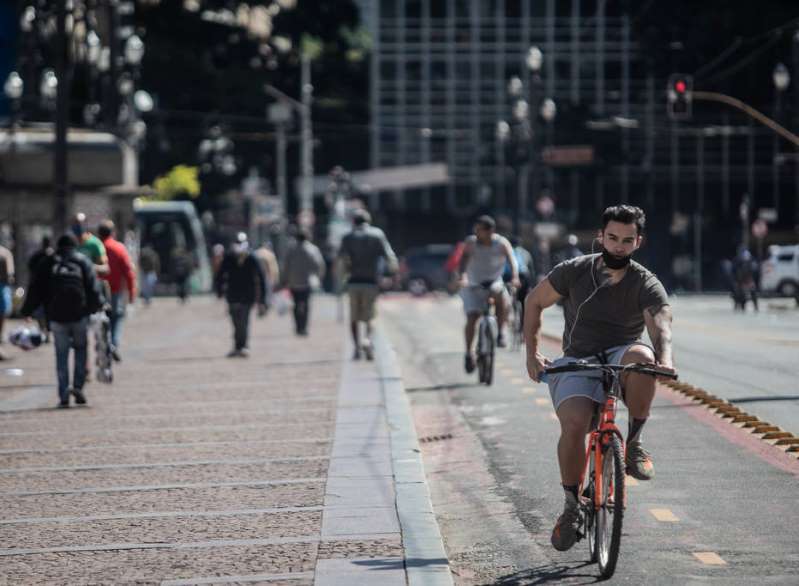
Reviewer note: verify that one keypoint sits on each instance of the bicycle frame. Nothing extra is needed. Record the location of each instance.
(606, 444)
(599, 437)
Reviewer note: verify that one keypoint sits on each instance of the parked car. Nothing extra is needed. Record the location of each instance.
(780, 271)
(422, 269)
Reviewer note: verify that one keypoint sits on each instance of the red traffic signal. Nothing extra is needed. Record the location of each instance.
(679, 94)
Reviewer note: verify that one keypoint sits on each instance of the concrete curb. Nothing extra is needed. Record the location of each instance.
(426, 562)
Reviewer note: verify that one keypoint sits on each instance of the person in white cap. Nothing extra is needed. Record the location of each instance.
(241, 281)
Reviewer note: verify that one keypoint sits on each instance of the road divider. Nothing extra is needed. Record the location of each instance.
(769, 433)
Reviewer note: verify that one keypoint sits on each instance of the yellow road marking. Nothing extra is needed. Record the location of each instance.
(528, 391)
(664, 515)
(630, 481)
(709, 558)
(517, 381)
(541, 401)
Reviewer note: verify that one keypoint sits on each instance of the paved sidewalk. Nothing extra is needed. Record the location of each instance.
(295, 466)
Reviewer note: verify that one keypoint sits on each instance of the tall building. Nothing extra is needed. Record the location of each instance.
(439, 87)
(439, 90)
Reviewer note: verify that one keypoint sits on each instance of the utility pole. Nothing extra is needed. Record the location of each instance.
(280, 116)
(306, 194)
(60, 173)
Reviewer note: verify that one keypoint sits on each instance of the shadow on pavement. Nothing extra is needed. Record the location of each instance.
(443, 387)
(759, 399)
(399, 564)
(549, 574)
(18, 387)
(178, 359)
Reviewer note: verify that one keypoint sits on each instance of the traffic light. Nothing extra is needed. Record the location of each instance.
(679, 94)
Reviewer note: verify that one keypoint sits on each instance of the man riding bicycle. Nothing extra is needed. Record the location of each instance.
(608, 299)
(484, 256)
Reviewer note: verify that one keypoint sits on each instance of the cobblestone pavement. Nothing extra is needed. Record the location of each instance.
(191, 467)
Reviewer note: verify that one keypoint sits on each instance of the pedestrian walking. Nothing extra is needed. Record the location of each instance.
(182, 268)
(121, 281)
(303, 269)
(6, 281)
(92, 248)
(217, 256)
(269, 265)
(360, 255)
(241, 281)
(89, 245)
(745, 270)
(39, 315)
(149, 267)
(65, 284)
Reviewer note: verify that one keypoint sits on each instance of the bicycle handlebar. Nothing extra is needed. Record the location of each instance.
(639, 368)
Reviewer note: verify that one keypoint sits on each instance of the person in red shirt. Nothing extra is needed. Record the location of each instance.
(121, 280)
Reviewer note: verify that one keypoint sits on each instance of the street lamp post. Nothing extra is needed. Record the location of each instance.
(61, 80)
(534, 62)
(520, 135)
(781, 78)
(548, 111)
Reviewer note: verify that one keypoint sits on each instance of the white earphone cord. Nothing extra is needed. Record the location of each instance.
(597, 287)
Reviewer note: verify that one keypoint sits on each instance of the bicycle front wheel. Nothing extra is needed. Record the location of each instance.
(610, 514)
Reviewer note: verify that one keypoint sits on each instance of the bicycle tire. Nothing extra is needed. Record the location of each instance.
(480, 351)
(489, 364)
(589, 517)
(608, 538)
(516, 342)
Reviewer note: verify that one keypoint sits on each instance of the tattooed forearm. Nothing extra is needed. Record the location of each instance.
(659, 325)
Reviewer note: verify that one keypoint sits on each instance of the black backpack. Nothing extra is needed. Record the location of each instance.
(68, 299)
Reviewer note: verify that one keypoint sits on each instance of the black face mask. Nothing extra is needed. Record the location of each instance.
(614, 262)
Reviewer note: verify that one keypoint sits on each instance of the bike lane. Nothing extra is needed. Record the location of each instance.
(721, 509)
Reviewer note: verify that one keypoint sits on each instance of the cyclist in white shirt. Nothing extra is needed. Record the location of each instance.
(484, 256)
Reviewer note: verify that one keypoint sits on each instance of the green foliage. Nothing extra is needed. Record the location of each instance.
(358, 40)
(311, 47)
(181, 180)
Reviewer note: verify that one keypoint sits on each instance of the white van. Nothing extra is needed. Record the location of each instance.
(780, 273)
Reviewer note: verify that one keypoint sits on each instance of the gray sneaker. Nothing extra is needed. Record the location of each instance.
(639, 462)
(567, 528)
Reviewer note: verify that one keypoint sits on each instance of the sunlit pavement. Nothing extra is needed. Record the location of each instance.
(196, 468)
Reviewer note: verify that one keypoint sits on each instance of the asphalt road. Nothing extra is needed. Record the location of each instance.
(749, 358)
(721, 510)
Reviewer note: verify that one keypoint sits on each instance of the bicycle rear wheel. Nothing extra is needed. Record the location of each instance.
(516, 341)
(610, 515)
(481, 366)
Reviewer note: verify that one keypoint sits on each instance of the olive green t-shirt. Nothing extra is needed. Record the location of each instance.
(92, 248)
(614, 314)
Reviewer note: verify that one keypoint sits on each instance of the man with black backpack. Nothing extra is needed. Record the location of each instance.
(66, 285)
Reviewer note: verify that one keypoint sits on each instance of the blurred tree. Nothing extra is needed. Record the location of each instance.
(181, 181)
(207, 62)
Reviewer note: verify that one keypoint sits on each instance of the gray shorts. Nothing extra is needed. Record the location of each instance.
(362, 301)
(475, 297)
(586, 383)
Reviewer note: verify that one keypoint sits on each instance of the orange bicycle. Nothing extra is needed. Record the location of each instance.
(602, 481)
